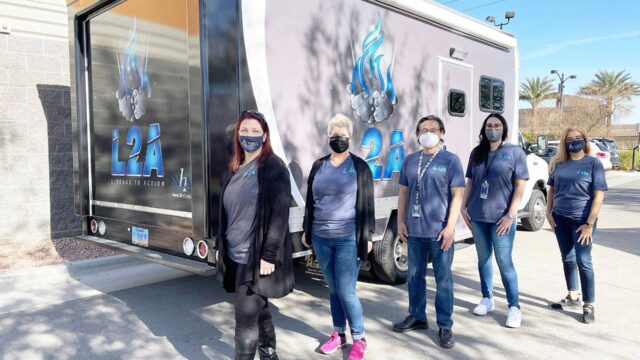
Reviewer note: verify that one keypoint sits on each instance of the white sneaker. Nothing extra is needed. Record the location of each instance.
(514, 319)
(484, 307)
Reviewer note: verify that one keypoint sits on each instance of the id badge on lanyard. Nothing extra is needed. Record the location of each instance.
(415, 211)
(484, 190)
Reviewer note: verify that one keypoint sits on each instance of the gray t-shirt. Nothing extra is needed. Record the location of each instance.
(240, 204)
(506, 165)
(334, 193)
(574, 183)
(444, 173)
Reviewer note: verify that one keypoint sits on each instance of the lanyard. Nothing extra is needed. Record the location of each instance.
(487, 163)
(421, 173)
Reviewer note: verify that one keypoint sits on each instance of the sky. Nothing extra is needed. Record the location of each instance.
(576, 37)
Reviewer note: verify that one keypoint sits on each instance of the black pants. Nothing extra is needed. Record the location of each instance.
(251, 310)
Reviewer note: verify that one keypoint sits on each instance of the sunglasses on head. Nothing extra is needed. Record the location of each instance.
(252, 113)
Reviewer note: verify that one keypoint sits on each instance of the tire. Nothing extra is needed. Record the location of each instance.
(389, 259)
(536, 207)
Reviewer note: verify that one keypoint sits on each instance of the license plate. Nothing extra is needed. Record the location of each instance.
(139, 236)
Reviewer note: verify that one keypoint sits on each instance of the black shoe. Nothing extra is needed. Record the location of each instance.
(588, 314)
(567, 303)
(410, 323)
(447, 340)
(267, 341)
(246, 349)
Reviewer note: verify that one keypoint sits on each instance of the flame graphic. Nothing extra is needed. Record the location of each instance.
(133, 81)
(373, 97)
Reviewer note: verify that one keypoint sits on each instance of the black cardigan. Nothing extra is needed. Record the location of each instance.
(365, 208)
(273, 243)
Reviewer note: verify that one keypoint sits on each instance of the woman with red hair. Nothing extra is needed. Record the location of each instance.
(254, 249)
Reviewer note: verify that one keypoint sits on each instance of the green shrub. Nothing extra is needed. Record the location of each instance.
(529, 136)
(626, 157)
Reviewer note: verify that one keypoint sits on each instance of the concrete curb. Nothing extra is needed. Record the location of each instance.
(76, 267)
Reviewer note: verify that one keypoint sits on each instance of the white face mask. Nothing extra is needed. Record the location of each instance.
(429, 140)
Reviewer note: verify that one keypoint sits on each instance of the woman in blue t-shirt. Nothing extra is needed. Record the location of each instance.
(497, 174)
(577, 184)
(339, 221)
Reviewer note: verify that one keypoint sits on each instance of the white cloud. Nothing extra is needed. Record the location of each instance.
(554, 48)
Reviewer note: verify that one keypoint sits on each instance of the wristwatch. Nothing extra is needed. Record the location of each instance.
(588, 224)
(511, 216)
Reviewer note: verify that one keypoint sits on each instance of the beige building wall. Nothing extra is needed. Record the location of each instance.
(36, 187)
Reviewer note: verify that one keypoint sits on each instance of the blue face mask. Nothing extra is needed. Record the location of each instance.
(575, 146)
(251, 143)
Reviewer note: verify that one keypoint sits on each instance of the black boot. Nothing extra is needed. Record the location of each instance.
(267, 342)
(246, 349)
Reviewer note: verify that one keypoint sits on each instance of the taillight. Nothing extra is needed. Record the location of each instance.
(202, 249)
(94, 226)
(601, 155)
(188, 246)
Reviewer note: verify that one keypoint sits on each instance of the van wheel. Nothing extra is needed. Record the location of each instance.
(390, 261)
(536, 207)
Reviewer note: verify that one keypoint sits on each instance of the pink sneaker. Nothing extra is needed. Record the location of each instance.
(358, 350)
(334, 343)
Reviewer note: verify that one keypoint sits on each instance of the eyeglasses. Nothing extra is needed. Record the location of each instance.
(252, 113)
(568, 140)
(495, 127)
(432, 131)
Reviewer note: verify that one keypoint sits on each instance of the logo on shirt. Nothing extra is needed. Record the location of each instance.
(250, 172)
(504, 156)
(583, 173)
(439, 168)
(348, 170)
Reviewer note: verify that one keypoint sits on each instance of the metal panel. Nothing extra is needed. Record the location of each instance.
(161, 239)
(221, 82)
(197, 126)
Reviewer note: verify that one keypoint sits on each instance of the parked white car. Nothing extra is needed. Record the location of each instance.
(600, 151)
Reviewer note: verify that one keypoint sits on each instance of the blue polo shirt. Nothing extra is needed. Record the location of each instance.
(506, 165)
(444, 173)
(574, 183)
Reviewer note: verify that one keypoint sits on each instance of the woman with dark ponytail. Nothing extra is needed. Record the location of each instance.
(496, 178)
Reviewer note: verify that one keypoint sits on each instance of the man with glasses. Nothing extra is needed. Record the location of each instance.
(431, 189)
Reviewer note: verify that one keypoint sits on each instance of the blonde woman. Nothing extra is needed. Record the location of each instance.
(577, 184)
(339, 220)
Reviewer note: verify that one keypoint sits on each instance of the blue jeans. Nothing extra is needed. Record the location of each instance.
(340, 266)
(576, 258)
(419, 249)
(487, 242)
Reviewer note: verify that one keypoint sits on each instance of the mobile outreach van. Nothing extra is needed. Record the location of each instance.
(157, 86)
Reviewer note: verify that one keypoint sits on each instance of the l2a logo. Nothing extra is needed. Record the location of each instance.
(133, 167)
(133, 91)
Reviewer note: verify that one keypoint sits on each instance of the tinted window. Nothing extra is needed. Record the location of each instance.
(485, 94)
(457, 103)
(498, 95)
(491, 95)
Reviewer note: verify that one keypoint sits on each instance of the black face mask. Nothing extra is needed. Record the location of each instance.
(339, 144)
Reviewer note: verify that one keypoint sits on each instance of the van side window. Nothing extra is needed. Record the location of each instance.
(491, 94)
(457, 102)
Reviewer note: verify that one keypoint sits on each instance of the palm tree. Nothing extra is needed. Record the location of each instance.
(535, 90)
(612, 88)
